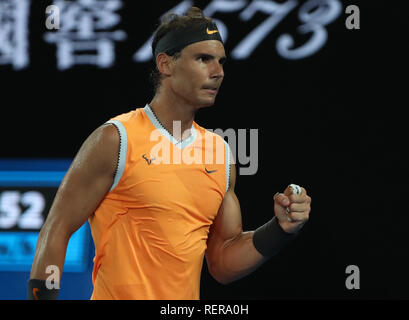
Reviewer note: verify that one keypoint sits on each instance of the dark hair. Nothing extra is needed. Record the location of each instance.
(170, 22)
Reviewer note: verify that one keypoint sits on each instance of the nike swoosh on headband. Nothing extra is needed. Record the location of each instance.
(211, 31)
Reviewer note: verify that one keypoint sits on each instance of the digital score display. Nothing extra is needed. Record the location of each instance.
(27, 190)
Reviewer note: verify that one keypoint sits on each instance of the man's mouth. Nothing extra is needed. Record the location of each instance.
(211, 89)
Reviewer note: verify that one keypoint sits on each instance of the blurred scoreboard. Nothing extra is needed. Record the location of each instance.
(27, 190)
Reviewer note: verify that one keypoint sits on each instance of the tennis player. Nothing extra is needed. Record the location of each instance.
(153, 221)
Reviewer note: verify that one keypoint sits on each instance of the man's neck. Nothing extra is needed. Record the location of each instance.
(168, 111)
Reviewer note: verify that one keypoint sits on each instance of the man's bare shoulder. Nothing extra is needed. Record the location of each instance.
(107, 133)
(99, 152)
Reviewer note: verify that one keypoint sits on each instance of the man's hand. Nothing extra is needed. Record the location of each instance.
(292, 210)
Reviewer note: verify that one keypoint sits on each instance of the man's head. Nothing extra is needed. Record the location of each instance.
(189, 54)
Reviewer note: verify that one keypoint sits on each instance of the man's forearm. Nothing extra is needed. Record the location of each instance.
(237, 258)
(50, 251)
(244, 253)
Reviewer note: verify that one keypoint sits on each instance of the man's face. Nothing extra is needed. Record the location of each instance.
(198, 73)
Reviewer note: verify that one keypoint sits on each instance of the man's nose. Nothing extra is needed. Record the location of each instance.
(217, 71)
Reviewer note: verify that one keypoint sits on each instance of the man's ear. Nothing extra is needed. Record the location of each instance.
(164, 64)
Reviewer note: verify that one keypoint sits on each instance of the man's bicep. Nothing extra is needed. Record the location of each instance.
(228, 222)
(87, 181)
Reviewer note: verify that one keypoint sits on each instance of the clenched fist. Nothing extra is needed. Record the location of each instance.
(292, 210)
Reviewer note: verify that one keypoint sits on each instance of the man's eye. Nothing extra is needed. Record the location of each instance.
(204, 58)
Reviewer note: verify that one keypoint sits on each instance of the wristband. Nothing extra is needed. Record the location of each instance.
(37, 290)
(270, 238)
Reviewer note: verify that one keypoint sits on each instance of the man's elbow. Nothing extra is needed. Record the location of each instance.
(219, 278)
(221, 275)
(54, 233)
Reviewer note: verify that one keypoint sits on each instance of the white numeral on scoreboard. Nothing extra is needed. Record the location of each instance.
(11, 213)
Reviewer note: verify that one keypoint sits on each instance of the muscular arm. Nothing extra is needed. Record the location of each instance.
(86, 183)
(230, 253)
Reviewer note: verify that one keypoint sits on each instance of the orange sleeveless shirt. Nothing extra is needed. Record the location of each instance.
(150, 230)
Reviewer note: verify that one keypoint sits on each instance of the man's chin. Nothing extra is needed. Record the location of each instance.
(207, 103)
